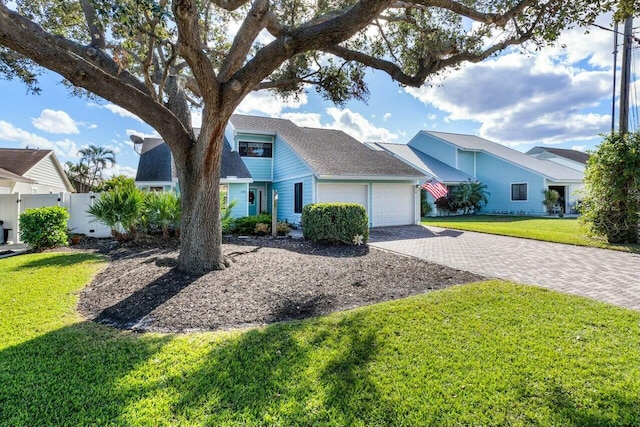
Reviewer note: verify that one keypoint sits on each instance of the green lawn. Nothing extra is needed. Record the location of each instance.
(559, 230)
(492, 353)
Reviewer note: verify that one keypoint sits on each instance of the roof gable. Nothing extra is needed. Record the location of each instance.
(550, 170)
(328, 152)
(430, 165)
(21, 160)
(156, 163)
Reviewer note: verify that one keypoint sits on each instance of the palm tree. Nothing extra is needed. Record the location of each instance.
(471, 196)
(79, 175)
(96, 159)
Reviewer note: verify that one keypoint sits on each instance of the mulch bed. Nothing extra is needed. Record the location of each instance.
(270, 280)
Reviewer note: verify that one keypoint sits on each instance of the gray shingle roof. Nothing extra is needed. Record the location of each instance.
(156, 162)
(550, 170)
(429, 165)
(575, 155)
(329, 152)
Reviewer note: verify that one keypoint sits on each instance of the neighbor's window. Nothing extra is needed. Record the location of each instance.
(297, 197)
(254, 149)
(518, 191)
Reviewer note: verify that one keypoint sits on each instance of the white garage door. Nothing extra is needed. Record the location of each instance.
(393, 204)
(345, 193)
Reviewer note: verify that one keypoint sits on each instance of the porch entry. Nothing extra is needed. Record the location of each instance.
(562, 200)
(257, 200)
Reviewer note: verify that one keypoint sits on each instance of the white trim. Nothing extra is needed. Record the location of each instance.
(371, 178)
(294, 177)
(511, 192)
(235, 181)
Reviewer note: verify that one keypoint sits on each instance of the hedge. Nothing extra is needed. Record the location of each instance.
(43, 228)
(335, 223)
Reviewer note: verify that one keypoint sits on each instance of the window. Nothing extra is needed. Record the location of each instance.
(254, 149)
(518, 191)
(297, 197)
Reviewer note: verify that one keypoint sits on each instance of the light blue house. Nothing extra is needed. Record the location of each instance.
(306, 165)
(514, 179)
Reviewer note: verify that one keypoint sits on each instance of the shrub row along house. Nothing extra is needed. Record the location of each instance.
(307, 165)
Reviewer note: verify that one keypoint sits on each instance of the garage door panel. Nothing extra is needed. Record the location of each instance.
(393, 204)
(344, 193)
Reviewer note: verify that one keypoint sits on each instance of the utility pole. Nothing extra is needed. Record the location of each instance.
(625, 76)
(615, 72)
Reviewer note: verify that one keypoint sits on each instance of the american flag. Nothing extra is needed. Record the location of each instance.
(435, 188)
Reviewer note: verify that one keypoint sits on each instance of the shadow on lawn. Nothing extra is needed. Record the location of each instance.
(70, 376)
(60, 259)
(310, 373)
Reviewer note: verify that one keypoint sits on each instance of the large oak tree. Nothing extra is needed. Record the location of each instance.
(160, 58)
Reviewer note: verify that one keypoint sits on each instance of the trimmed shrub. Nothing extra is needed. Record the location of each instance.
(121, 209)
(43, 228)
(335, 223)
(247, 224)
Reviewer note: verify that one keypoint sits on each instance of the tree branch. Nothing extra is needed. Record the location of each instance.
(229, 5)
(243, 40)
(88, 68)
(191, 49)
(93, 24)
(328, 30)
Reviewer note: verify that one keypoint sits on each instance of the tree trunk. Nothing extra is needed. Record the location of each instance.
(199, 176)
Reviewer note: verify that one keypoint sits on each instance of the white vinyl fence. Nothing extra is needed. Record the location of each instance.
(12, 205)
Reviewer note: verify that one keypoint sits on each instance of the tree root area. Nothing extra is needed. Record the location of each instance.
(269, 280)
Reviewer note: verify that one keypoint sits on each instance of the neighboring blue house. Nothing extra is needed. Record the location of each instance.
(514, 179)
(304, 165)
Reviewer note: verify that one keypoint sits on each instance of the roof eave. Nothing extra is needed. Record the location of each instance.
(341, 177)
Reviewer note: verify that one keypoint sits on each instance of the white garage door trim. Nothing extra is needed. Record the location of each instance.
(344, 193)
(393, 204)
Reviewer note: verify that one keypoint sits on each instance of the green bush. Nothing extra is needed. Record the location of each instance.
(247, 224)
(121, 210)
(335, 223)
(43, 228)
(162, 211)
(612, 202)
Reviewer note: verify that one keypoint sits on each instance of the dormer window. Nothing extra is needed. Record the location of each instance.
(255, 149)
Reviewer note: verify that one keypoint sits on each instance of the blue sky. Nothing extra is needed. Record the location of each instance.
(557, 96)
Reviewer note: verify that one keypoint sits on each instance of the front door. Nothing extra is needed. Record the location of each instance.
(253, 201)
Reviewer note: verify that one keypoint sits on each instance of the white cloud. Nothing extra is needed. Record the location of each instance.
(92, 126)
(553, 96)
(115, 109)
(582, 148)
(143, 135)
(53, 121)
(268, 103)
(345, 120)
(358, 126)
(309, 120)
(64, 149)
(119, 170)
(386, 117)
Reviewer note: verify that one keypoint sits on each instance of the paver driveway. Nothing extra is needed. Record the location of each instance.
(602, 274)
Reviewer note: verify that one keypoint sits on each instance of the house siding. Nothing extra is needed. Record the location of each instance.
(239, 192)
(285, 197)
(287, 163)
(434, 147)
(261, 169)
(466, 162)
(498, 175)
(47, 176)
